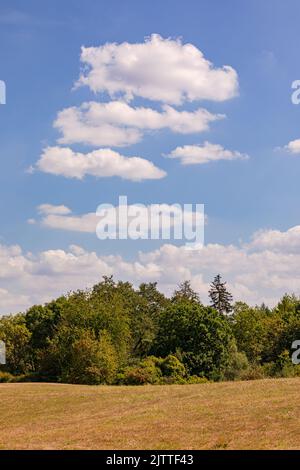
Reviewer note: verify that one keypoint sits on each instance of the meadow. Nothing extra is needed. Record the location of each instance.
(259, 414)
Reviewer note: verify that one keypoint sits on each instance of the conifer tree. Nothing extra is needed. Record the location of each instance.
(221, 299)
(185, 292)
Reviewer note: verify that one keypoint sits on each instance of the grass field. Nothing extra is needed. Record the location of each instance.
(262, 414)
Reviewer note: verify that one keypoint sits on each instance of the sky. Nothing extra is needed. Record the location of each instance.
(164, 102)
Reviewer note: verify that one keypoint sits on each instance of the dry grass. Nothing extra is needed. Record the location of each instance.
(262, 414)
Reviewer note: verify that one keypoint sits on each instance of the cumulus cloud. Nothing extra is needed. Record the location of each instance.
(100, 163)
(118, 124)
(86, 223)
(48, 209)
(27, 279)
(169, 221)
(293, 147)
(277, 241)
(262, 270)
(208, 152)
(159, 69)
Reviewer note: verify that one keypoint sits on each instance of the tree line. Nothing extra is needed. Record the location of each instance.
(116, 334)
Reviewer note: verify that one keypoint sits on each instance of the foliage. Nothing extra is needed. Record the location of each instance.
(221, 299)
(237, 366)
(92, 360)
(185, 292)
(202, 335)
(146, 372)
(16, 336)
(172, 367)
(6, 377)
(117, 334)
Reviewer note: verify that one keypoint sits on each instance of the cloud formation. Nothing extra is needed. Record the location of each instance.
(159, 69)
(50, 209)
(101, 163)
(153, 221)
(293, 147)
(208, 152)
(118, 124)
(262, 270)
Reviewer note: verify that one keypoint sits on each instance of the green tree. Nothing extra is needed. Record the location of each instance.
(221, 299)
(14, 333)
(145, 316)
(185, 292)
(92, 360)
(200, 335)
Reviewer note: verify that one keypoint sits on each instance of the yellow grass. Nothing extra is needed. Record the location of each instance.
(263, 414)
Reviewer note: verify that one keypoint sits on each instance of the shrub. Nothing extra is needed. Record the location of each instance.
(194, 379)
(146, 372)
(172, 367)
(254, 372)
(237, 365)
(92, 361)
(6, 377)
(284, 367)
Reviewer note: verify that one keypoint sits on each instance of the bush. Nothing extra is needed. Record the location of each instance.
(154, 370)
(92, 361)
(254, 372)
(237, 365)
(172, 367)
(284, 367)
(147, 372)
(194, 379)
(190, 380)
(6, 377)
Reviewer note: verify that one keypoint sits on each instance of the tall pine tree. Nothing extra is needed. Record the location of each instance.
(221, 299)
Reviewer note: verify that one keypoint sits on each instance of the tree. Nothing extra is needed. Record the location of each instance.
(41, 321)
(148, 306)
(199, 335)
(185, 292)
(220, 297)
(16, 336)
(93, 361)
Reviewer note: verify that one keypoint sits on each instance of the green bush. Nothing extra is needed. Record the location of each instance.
(237, 365)
(92, 361)
(154, 370)
(194, 379)
(284, 367)
(172, 367)
(6, 377)
(254, 372)
(146, 372)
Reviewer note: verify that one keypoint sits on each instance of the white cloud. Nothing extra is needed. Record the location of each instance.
(100, 163)
(293, 147)
(118, 124)
(262, 270)
(277, 241)
(48, 209)
(159, 69)
(199, 154)
(10, 302)
(82, 223)
(130, 220)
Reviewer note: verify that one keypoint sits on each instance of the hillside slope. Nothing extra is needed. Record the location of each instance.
(262, 414)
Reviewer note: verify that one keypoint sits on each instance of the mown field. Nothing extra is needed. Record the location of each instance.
(262, 414)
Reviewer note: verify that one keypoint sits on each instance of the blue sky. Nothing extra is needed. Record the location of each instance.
(40, 45)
